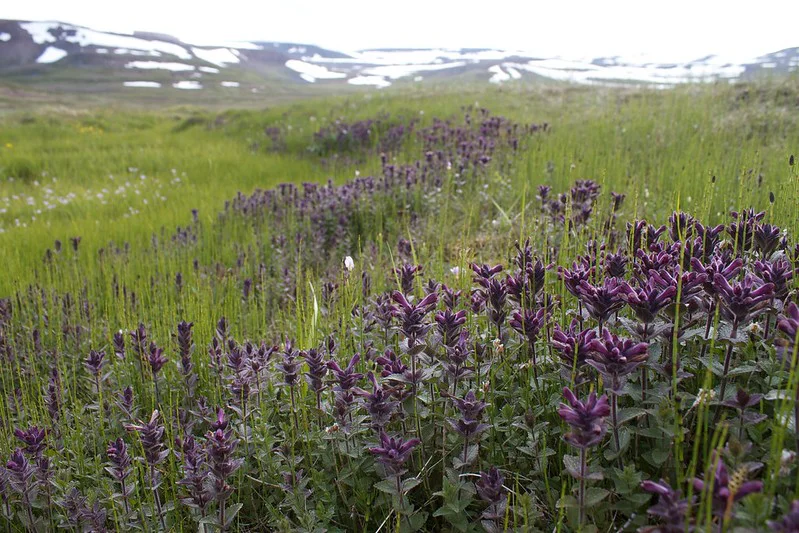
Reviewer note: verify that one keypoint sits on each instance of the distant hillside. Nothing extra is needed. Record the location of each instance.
(69, 57)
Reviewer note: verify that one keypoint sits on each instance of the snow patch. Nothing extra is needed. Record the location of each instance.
(4, 37)
(218, 56)
(148, 84)
(209, 70)
(497, 74)
(187, 85)
(41, 34)
(311, 73)
(230, 84)
(150, 65)
(395, 72)
(102, 50)
(51, 54)
(377, 81)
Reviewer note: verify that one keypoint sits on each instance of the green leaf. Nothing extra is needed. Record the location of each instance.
(386, 486)
(231, 512)
(594, 495)
(410, 483)
(629, 413)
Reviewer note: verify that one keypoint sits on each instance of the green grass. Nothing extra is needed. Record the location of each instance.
(131, 176)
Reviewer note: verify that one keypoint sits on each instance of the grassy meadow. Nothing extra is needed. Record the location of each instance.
(292, 318)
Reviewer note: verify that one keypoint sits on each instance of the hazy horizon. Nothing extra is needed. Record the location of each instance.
(681, 30)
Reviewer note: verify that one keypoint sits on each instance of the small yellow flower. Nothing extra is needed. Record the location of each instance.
(9, 146)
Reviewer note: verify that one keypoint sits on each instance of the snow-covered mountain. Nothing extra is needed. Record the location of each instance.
(146, 60)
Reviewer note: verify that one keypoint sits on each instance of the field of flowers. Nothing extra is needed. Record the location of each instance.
(550, 309)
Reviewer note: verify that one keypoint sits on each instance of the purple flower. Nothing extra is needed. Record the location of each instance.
(34, 440)
(346, 378)
(788, 325)
(119, 345)
(317, 369)
(727, 490)
(490, 486)
(766, 239)
(406, 274)
(670, 508)
(289, 365)
(151, 434)
(572, 345)
(95, 361)
(378, 403)
(156, 359)
(587, 419)
(412, 317)
(449, 325)
(529, 323)
(393, 452)
(615, 357)
(196, 474)
(647, 301)
(741, 302)
(603, 300)
(471, 409)
(788, 523)
(117, 453)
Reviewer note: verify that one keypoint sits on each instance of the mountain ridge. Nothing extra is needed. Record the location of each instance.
(33, 51)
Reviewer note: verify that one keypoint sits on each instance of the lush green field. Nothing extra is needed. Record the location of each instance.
(125, 181)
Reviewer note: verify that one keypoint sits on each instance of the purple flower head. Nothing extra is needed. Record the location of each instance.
(407, 275)
(449, 325)
(379, 403)
(671, 508)
(471, 409)
(289, 365)
(615, 357)
(317, 369)
(391, 363)
(742, 229)
(778, 272)
(117, 453)
(412, 317)
(743, 301)
(572, 345)
(393, 452)
(587, 419)
(490, 486)
(615, 265)
(727, 489)
(346, 378)
(95, 361)
(528, 323)
(603, 300)
(221, 421)
(450, 297)
(766, 239)
(647, 301)
(119, 344)
(483, 273)
(716, 265)
(156, 358)
(789, 522)
(681, 226)
(581, 271)
(151, 434)
(21, 473)
(34, 440)
(788, 325)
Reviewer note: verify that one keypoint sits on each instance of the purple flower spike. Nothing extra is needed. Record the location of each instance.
(742, 302)
(727, 490)
(33, 439)
(789, 523)
(602, 301)
(670, 508)
(393, 452)
(587, 419)
(647, 301)
(615, 358)
(490, 486)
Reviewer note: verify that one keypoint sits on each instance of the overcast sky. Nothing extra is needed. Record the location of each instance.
(671, 30)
